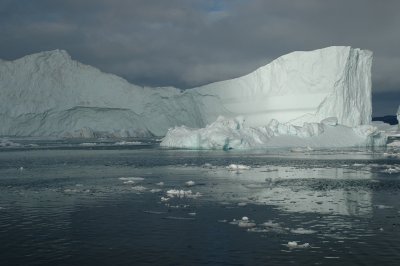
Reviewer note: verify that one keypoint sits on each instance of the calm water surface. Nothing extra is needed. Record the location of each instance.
(64, 203)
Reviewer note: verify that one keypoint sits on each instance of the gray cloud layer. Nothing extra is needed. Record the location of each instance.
(185, 43)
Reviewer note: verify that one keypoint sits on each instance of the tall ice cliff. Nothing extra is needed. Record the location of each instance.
(49, 94)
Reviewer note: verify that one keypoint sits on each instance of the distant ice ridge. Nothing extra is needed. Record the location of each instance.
(398, 117)
(49, 94)
(227, 133)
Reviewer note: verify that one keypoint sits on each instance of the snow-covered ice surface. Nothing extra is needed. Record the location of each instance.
(281, 207)
(49, 94)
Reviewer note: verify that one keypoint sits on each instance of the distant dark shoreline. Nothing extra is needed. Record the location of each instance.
(388, 119)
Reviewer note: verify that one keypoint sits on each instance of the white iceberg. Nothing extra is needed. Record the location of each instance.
(49, 94)
(398, 117)
(228, 134)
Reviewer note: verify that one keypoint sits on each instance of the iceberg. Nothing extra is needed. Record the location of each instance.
(398, 117)
(226, 134)
(298, 87)
(50, 94)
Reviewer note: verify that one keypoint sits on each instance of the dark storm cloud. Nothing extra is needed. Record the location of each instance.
(185, 43)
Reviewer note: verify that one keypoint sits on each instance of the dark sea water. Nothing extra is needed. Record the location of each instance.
(64, 203)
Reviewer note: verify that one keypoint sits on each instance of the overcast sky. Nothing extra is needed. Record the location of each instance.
(185, 43)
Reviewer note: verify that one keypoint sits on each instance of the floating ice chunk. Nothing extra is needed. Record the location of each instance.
(182, 193)
(155, 190)
(381, 206)
(8, 143)
(165, 199)
(21, 169)
(305, 245)
(68, 190)
(192, 213)
(128, 143)
(221, 135)
(395, 143)
(139, 188)
(236, 167)
(271, 224)
(160, 184)
(301, 149)
(242, 204)
(246, 224)
(190, 183)
(129, 182)
(294, 244)
(207, 165)
(392, 170)
(391, 155)
(131, 178)
(88, 144)
(302, 231)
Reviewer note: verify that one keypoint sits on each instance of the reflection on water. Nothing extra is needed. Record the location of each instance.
(71, 206)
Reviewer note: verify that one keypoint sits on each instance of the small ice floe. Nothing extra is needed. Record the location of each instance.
(253, 186)
(302, 231)
(8, 143)
(192, 213)
(129, 182)
(301, 149)
(160, 184)
(21, 169)
(207, 165)
(131, 178)
(270, 226)
(68, 190)
(242, 204)
(163, 199)
(155, 190)
(245, 222)
(381, 206)
(395, 143)
(139, 188)
(392, 170)
(294, 244)
(391, 154)
(88, 144)
(33, 145)
(182, 193)
(358, 164)
(128, 143)
(190, 183)
(238, 167)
